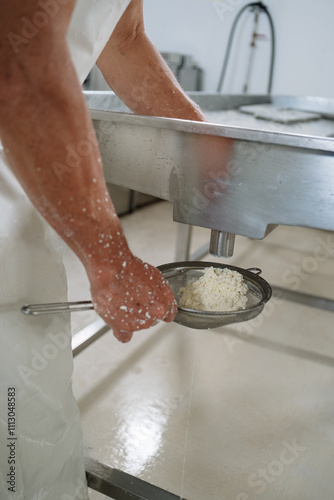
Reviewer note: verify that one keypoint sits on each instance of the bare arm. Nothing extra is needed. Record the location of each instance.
(48, 135)
(138, 74)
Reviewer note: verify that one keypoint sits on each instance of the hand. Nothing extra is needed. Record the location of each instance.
(131, 295)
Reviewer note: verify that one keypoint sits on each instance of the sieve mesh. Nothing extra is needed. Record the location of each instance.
(181, 274)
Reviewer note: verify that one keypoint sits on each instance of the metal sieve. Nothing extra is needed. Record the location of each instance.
(181, 274)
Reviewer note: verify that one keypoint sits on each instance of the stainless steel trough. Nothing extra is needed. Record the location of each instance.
(236, 179)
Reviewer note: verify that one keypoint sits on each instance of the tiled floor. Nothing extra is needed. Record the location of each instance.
(239, 413)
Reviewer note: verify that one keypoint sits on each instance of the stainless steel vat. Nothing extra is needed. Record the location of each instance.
(224, 177)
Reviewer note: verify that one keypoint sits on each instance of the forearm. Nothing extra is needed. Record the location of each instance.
(138, 74)
(48, 136)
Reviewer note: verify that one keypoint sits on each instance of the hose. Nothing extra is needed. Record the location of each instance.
(264, 9)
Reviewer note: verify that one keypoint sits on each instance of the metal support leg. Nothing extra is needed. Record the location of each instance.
(120, 485)
(88, 335)
(303, 298)
(183, 239)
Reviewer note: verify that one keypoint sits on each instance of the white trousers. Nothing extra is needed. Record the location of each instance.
(41, 453)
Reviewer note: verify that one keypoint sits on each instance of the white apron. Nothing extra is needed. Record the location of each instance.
(41, 456)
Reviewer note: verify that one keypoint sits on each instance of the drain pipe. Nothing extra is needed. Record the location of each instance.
(221, 243)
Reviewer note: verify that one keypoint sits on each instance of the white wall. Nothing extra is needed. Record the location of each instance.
(304, 42)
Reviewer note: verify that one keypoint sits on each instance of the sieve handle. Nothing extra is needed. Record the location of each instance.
(57, 307)
(255, 270)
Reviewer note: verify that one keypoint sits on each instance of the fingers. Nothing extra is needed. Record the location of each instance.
(122, 336)
(133, 299)
(158, 312)
(171, 313)
(166, 306)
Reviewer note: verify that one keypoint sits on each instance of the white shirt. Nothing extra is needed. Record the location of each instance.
(92, 23)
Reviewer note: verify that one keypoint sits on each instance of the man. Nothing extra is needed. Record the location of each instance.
(43, 119)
